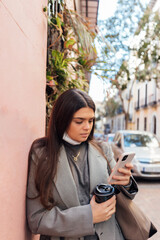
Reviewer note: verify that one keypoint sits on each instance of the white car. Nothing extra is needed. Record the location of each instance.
(146, 147)
(110, 137)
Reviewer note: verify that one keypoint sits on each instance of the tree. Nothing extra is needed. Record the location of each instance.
(111, 107)
(121, 82)
(147, 50)
(118, 31)
(146, 54)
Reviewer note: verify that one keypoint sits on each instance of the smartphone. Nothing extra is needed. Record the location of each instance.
(123, 159)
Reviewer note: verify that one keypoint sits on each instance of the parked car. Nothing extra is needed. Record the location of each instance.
(110, 137)
(99, 136)
(147, 148)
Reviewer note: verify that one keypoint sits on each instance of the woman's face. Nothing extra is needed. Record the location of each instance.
(81, 124)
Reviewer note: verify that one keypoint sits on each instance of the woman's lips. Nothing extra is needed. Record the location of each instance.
(84, 135)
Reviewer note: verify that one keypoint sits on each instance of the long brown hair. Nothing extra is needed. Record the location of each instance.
(63, 110)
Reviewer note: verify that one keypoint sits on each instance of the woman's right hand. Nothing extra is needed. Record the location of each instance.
(102, 211)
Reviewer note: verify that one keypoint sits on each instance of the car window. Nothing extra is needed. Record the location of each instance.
(110, 138)
(140, 140)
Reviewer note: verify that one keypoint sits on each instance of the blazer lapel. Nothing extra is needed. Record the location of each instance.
(97, 167)
(64, 181)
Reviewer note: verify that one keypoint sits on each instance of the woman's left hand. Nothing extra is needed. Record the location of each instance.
(124, 179)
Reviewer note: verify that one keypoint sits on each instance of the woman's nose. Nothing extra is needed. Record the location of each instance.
(86, 125)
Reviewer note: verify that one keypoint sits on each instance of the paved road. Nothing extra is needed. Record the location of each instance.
(148, 199)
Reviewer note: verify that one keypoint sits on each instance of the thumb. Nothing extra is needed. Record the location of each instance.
(93, 199)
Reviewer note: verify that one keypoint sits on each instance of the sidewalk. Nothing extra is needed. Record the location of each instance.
(148, 198)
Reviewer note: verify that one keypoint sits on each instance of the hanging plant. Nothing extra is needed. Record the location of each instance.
(71, 51)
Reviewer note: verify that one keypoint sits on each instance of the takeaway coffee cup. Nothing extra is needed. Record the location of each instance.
(103, 192)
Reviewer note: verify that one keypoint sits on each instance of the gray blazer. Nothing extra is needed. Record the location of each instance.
(68, 218)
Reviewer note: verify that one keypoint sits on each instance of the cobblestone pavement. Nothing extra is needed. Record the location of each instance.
(148, 199)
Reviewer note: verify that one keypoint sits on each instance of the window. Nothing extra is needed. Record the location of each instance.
(119, 124)
(137, 123)
(146, 95)
(154, 125)
(138, 101)
(145, 124)
(112, 125)
(140, 140)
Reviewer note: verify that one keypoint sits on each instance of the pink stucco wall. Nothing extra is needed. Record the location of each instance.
(23, 37)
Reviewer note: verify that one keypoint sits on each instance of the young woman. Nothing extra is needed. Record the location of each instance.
(64, 168)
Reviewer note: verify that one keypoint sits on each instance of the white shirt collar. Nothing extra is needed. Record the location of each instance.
(70, 140)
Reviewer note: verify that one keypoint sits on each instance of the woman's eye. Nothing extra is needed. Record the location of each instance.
(78, 122)
(91, 121)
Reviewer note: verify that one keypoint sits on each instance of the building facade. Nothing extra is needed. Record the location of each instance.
(23, 41)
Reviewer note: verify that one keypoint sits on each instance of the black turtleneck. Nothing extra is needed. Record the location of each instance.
(79, 169)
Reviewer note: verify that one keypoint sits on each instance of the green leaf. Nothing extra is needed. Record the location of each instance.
(69, 43)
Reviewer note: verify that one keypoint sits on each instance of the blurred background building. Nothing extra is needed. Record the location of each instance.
(141, 98)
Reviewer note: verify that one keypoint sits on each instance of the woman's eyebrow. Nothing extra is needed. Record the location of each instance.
(83, 118)
(78, 118)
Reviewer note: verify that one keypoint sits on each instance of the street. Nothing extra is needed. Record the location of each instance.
(148, 198)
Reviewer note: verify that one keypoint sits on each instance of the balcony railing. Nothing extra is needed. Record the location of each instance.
(137, 106)
(144, 103)
(152, 100)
